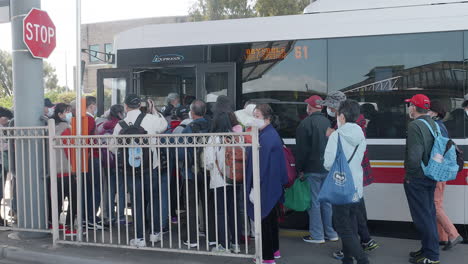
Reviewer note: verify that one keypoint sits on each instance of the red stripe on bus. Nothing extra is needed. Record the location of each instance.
(397, 175)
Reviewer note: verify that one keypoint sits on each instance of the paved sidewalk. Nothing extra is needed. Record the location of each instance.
(391, 251)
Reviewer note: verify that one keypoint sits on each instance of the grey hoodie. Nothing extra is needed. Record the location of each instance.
(351, 136)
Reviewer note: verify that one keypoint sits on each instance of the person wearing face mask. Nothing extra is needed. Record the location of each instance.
(448, 234)
(273, 176)
(65, 180)
(346, 217)
(172, 102)
(48, 108)
(333, 102)
(420, 189)
(311, 140)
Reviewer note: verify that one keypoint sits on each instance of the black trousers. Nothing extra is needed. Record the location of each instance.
(270, 235)
(69, 185)
(197, 192)
(345, 222)
(363, 231)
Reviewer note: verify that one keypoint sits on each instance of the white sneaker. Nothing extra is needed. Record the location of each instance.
(190, 245)
(156, 237)
(236, 248)
(212, 244)
(138, 242)
(220, 249)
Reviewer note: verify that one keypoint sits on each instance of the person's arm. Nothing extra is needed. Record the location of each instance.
(160, 124)
(415, 146)
(116, 132)
(330, 151)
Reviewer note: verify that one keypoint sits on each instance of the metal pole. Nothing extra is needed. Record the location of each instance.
(53, 184)
(78, 88)
(257, 196)
(29, 108)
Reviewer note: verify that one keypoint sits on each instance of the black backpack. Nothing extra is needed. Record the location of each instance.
(135, 158)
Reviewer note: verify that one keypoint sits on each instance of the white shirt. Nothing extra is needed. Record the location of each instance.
(211, 155)
(151, 123)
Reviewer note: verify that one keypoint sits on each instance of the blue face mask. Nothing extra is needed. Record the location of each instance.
(68, 117)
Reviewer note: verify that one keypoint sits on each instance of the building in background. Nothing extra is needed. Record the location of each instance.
(99, 37)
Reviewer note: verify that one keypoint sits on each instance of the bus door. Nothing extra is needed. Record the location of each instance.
(214, 80)
(112, 87)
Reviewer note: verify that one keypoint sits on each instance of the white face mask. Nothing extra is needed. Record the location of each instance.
(50, 112)
(257, 122)
(68, 117)
(466, 112)
(330, 113)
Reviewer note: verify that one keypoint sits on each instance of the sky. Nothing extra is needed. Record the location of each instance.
(63, 14)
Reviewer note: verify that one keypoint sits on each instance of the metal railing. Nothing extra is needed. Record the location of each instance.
(182, 193)
(24, 179)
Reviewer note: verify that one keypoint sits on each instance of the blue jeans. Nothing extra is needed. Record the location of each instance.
(141, 206)
(320, 214)
(229, 213)
(420, 195)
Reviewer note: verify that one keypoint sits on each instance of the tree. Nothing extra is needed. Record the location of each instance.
(6, 76)
(280, 7)
(6, 81)
(50, 78)
(221, 9)
(230, 9)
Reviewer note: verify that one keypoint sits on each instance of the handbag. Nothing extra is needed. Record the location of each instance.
(298, 197)
(338, 188)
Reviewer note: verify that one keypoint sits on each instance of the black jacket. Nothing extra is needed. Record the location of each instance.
(311, 141)
(419, 144)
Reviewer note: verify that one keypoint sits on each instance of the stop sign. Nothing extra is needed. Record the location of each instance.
(39, 33)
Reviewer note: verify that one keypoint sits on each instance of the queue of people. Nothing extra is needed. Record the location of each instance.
(333, 124)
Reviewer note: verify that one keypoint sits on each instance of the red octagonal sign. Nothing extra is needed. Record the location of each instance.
(39, 33)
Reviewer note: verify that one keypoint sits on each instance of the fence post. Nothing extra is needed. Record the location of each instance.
(53, 183)
(257, 196)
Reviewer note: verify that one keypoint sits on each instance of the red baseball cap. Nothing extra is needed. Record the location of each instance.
(420, 100)
(312, 101)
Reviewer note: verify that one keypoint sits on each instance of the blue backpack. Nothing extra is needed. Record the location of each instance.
(442, 165)
(338, 188)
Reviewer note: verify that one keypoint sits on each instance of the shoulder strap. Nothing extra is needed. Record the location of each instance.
(139, 119)
(430, 128)
(123, 124)
(354, 152)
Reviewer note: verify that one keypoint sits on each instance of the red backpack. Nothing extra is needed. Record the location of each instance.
(290, 165)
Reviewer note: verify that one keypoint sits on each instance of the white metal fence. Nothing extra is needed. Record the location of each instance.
(24, 179)
(183, 193)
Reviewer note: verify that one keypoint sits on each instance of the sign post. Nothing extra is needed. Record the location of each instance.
(29, 109)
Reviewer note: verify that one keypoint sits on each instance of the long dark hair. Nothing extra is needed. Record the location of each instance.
(221, 123)
(60, 108)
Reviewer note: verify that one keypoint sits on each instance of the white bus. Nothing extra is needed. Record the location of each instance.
(377, 52)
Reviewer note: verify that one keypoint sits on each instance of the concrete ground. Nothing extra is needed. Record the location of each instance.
(294, 251)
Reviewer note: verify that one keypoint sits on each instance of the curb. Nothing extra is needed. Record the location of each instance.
(21, 255)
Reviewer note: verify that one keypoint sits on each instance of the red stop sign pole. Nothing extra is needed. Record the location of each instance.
(39, 33)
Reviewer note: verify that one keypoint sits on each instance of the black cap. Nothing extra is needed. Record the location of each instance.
(133, 101)
(181, 111)
(48, 103)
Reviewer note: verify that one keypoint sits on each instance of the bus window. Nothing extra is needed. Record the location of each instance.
(384, 70)
(284, 74)
(156, 84)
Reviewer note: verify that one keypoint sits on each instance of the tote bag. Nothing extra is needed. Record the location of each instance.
(338, 187)
(297, 197)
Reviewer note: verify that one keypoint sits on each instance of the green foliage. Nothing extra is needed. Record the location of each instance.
(6, 82)
(231, 9)
(280, 7)
(6, 101)
(221, 9)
